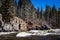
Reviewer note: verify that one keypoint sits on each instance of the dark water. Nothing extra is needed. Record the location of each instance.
(13, 37)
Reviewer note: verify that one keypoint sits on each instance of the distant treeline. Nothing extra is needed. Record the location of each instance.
(51, 15)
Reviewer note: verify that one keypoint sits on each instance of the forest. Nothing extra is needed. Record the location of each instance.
(25, 10)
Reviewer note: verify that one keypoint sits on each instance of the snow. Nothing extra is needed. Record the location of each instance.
(56, 30)
(50, 34)
(23, 34)
(35, 32)
(29, 33)
(4, 33)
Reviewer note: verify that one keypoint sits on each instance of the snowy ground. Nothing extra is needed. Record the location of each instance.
(35, 32)
(4, 33)
(39, 33)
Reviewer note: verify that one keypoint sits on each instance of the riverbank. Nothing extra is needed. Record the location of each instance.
(39, 33)
(13, 37)
(35, 35)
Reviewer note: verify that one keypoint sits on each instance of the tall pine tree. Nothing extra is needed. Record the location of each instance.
(47, 12)
(38, 13)
(41, 14)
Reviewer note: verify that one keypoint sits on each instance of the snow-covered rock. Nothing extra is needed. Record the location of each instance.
(23, 34)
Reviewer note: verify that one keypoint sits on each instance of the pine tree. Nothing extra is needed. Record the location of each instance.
(54, 16)
(47, 13)
(38, 12)
(58, 16)
(54, 10)
(54, 13)
(21, 8)
(7, 10)
(26, 9)
(41, 14)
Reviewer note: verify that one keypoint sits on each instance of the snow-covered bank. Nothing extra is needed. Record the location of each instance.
(38, 33)
(4, 33)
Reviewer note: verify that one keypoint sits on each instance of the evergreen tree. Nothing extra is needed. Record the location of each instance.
(54, 10)
(7, 10)
(58, 16)
(21, 8)
(38, 12)
(41, 14)
(54, 13)
(47, 12)
(26, 9)
(54, 16)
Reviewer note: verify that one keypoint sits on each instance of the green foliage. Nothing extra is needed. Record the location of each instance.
(52, 15)
(54, 10)
(58, 15)
(38, 13)
(41, 14)
(27, 11)
(47, 12)
(7, 10)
